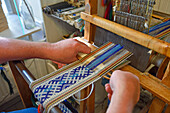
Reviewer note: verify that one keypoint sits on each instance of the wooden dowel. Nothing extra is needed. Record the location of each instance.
(157, 16)
(145, 40)
(106, 77)
(109, 74)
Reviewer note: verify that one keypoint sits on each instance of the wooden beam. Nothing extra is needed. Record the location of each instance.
(145, 40)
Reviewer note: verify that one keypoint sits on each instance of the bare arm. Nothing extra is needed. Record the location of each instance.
(63, 51)
(124, 91)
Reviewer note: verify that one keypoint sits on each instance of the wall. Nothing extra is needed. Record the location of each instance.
(162, 6)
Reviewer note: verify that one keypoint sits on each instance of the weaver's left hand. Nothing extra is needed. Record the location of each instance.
(66, 51)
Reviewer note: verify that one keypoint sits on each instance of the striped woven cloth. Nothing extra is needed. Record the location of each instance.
(161, 30)
(54, 88)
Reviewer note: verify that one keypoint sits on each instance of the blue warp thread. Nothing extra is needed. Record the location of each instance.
(100, 59)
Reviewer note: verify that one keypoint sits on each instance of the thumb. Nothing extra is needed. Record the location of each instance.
(74, 59)
(84, 49)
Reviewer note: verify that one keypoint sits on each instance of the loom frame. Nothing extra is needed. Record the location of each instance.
(147, 81)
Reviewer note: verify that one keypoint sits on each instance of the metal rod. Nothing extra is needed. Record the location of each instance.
(26, 74)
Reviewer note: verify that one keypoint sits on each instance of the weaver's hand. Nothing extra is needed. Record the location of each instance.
(124, 90)
(66, 51)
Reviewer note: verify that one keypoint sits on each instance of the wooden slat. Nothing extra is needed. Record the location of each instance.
(166, 77)
(167, 109)
(157, 107)
(162, 68)
(150, 42)
(157, 16)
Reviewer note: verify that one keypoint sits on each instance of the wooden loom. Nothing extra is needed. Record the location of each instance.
(159, 88)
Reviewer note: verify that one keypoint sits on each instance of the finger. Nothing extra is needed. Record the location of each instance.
(80, 42)
(73, 59)
(108, 89)
(109, 96)
(83, 47)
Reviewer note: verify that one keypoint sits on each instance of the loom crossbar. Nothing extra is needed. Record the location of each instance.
(145, 40)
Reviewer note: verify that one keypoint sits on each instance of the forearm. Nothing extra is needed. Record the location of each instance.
(63, 51)
(11, 49)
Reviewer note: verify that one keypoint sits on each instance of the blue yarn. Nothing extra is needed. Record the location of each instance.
(107, 58)
(2, 68)
(104, 56)
(163, 30)
(159, 26)
(101, 55)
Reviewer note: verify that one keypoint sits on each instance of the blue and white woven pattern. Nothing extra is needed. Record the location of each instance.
(58, 86)
(60, 83)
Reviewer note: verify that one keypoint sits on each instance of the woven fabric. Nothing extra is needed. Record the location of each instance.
(161, 30)
(63, 108)
(58, 86)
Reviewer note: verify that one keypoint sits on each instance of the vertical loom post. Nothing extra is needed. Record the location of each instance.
(90, 29)
(157, 104)
(89, 34)
(83, 103)
(167, 109)
(91, 100)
